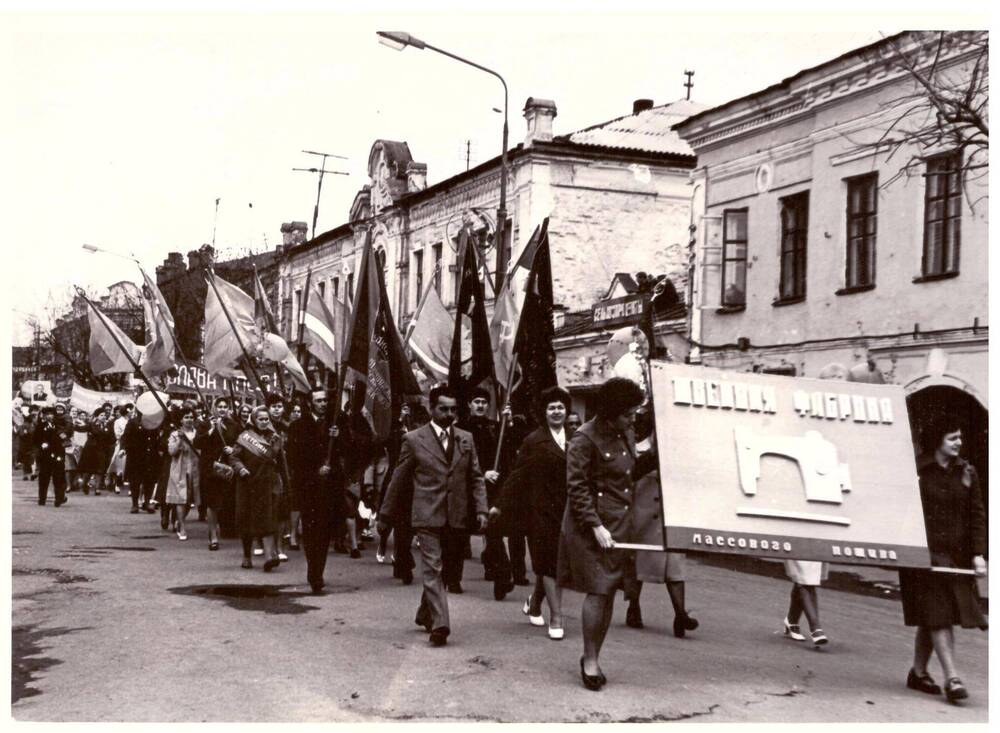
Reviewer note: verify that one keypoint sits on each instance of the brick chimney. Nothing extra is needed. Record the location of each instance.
(416, 177)
(539, 113)
(293, 233)
(641, 105)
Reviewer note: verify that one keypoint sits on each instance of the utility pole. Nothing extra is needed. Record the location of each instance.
(468, 149)
(321, 170)
(689, 84)
(38, 351)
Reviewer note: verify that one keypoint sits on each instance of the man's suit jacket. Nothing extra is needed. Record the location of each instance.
(442, 491)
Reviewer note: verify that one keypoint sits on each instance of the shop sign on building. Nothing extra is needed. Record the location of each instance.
(619, 311)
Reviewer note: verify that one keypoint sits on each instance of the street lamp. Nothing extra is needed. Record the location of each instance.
(398, 40)
(93, 249)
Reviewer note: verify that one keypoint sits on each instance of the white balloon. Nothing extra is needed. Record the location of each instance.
(274, 347)
(152, 413)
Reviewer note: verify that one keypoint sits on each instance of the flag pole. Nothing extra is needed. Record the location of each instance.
(258, 289)
(134, 364)
(177, 345)
(412, 325)
(249, 364)
(303, 353)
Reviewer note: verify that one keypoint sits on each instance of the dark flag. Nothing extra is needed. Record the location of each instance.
(376, 366)
(533, 351)
(471, 308)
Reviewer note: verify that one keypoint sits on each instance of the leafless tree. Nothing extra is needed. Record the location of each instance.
(945, 107)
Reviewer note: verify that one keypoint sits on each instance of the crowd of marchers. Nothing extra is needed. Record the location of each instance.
(287, 476)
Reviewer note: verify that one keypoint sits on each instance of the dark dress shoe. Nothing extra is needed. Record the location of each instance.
(684, 623)
(633, 618)
(41, 503)
(271, 564)
(355, 553)
(406, 576)
(439, 637)
(247, 563)
(954, 690)
(501, 589)
(455, 588)
(134, 510)
(61, 502)
(591, 681)
(317, 587)
(922, 683)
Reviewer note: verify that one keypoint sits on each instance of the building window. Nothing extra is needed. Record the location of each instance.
(418, 275)
(350, 288)
(298, 313)
(336, 288)
(734, 258)
(942, 214)
(322, 291)
(794, 224)
(437, 249)
(862, 217)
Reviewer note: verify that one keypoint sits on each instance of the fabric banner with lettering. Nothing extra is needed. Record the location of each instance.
(787, 467)
(90, 399)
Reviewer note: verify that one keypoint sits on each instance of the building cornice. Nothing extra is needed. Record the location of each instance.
(861, 71)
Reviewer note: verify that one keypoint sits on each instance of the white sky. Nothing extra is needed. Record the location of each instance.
(123, 130)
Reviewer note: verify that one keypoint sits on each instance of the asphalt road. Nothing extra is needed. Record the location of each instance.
(116, 620)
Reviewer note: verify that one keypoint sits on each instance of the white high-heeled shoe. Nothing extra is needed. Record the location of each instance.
(793, 632)
(555, 634)
(533, 620)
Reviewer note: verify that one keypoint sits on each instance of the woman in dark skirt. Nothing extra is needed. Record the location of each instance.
(259, 461)
(956, 537)
(536, 489)
(598, 511)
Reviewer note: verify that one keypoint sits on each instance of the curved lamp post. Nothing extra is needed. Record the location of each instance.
(398, 41)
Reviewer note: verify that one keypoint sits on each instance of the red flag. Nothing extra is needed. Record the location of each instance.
(107, 356)
(377, 368)
(161, 348)
(470, 308)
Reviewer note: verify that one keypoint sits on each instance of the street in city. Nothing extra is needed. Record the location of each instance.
(115, 619)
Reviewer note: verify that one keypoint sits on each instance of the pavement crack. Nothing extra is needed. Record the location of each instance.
(662, 718)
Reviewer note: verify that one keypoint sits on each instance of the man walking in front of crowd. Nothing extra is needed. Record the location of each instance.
(314, 480)
(439, 467)
(50, 444)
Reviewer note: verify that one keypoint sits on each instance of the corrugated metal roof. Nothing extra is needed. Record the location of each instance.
(649, 130)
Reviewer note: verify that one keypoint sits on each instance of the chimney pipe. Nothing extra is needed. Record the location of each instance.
(641, 105)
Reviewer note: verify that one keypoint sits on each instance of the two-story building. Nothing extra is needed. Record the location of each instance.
(617, 196)
(840, 233)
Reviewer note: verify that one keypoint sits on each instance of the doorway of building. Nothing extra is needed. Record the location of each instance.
(931, 402)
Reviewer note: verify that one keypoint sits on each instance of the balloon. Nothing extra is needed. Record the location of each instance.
(865, 372)
(274, 347)
(152, 413)
(625, 340)
(833, 370)
(630, 367)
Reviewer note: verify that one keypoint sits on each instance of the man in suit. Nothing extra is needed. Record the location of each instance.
(316, 476)
(50, 444)
(438, 464)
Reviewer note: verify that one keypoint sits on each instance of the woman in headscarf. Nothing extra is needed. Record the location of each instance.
(259, 460)
(599, 493)
(955, 519)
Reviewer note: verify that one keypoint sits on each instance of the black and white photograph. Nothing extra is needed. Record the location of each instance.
(429, 363)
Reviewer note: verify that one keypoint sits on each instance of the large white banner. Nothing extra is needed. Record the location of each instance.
(773, 466)
(89, 399)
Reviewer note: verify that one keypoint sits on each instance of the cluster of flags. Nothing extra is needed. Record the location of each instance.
(511, 354)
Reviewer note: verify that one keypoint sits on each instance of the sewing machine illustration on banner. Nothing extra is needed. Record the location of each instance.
(826, 480)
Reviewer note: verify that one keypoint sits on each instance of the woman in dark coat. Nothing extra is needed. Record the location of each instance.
(956, 537)
(213, 439)
(535, 493)
(259, 460)
(598, 511)
(96, 454)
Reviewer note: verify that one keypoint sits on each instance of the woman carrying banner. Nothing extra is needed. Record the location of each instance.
(599, 464)
(259, 460)
(183, 480)
(653, 567)
(534, 497)
(955, 519)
